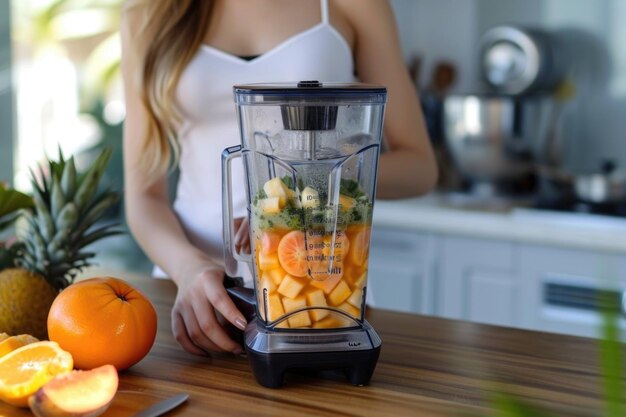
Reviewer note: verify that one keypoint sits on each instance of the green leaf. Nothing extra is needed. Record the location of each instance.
(610, 355)
(10, 202)
(509, 406)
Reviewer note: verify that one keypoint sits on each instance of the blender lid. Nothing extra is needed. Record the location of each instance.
(314, 92)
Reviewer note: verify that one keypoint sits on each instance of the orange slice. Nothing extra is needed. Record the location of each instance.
(292, 253)
(79, 393)
(26, 369)
(14, 342)
(3, 336)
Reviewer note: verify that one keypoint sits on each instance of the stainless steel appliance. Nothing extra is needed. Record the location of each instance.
(491, 137)
(520, 60)
(496, 137)
(310, 153)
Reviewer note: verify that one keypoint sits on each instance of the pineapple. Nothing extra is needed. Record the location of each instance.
(51, 241)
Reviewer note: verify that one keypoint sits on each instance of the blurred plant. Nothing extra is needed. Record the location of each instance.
(11, 202)
(86, 32)
(89, 28)
(508, 405)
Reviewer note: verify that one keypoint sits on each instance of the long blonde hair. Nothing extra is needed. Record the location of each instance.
(171, 32)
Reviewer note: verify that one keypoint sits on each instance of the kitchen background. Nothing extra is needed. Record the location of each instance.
(496, 246)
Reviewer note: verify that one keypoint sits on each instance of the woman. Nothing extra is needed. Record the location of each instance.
(180, 61)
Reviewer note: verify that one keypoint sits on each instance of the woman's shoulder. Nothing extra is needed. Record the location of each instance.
(132, 15)
(359, 12)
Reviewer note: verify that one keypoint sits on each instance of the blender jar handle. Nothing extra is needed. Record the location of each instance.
(230, 254)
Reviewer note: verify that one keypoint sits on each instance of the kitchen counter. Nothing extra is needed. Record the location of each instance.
(428, 366)
(448, 214)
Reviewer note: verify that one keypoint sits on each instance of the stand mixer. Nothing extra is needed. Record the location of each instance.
(310, 154)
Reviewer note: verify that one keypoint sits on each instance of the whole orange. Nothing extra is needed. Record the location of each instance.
(103, 321)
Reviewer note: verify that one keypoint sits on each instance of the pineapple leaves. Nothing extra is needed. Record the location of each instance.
(10, 202)
(68, 179)
(61, 222)
(89, 184)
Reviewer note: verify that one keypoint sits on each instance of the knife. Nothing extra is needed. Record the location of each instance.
(163, 407)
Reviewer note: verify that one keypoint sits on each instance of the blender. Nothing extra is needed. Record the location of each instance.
(310, 153)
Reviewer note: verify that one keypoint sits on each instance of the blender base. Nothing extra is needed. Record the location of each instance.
(270, 368)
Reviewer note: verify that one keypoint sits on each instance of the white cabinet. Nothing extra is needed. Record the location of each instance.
(561, 294)
(476, 280)
(493, 281)
(400, 266)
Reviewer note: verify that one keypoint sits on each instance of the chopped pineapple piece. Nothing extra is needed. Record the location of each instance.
(316, 298)
(277, 188)
(270, 205)
(292, 304)
(310, 198)
(353, 311)
(294, 198)
(290, 286)
(339, 294)
(356, 298)
(268, 261)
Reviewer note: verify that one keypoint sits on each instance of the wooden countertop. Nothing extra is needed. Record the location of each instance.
(428, 367)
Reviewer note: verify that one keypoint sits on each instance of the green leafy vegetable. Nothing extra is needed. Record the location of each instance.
(10, 202)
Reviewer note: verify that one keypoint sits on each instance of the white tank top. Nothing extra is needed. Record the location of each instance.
(206, 99)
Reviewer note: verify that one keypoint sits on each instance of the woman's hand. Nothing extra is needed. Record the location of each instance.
(201, 298)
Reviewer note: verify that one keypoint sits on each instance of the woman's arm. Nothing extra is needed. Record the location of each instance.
(159, 233)
(408, 168)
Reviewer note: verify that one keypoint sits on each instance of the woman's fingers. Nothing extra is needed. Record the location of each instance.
(211, 328)
(219, 299)
(242, 236)
(181, 335)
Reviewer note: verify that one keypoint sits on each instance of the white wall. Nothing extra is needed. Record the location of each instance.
(594, 124)
(434, 30)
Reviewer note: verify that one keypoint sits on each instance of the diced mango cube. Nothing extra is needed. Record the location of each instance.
(270, 205)
(292, 304)
(332, 322)
(268, 261)
(339, 294)
(328, 284)
(267, 282)
(290, 286)
(274, 307)
(345, 202)
(353, 311)
(356, 298)
(356, 280)
(316, 298)
(277, 275)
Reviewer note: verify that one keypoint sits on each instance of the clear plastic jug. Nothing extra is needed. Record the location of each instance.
(310, 153)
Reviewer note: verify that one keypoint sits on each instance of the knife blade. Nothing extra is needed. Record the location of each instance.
(163, 407)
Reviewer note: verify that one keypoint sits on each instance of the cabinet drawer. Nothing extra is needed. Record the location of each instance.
(398, 243)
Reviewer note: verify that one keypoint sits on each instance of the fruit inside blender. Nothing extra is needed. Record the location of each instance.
(311, 255)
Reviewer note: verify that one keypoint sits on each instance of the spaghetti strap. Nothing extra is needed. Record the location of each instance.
(324, 6)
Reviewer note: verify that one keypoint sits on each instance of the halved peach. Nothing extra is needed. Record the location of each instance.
(76, 394)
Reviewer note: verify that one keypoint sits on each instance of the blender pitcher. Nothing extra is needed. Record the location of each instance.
(310, 154)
